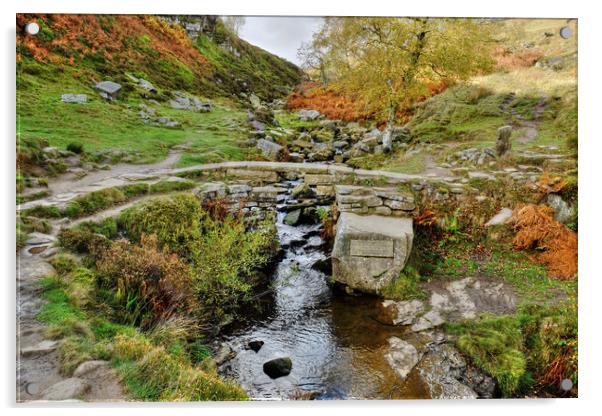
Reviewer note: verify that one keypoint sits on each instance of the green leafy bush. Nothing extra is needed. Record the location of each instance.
(83, 241)
(175, 220)
(94, 201)
(224, 260)
(43, 211)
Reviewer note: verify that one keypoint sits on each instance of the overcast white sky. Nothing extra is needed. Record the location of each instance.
(280, 35)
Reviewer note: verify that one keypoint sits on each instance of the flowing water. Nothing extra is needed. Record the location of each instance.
(336, 345)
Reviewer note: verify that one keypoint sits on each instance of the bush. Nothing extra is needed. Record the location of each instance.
(148, 285)
(43, 211)
(83, 241)
(175, 220)
(224, 260)
(106, 227)
(76, 148)
(94, 201)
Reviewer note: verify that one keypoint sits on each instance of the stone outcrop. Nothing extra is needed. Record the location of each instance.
(449, 302)
(270, 150)
(370, 251)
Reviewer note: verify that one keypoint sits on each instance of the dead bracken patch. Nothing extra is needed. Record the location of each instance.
(536, 229)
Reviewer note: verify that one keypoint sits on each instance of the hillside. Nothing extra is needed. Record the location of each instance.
(155, 59)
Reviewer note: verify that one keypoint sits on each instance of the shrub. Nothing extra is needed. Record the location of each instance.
(76, 148)
(147, 284)
(94, 201)
(83, 241)
(175, 220)
(536, 228)
(106, 227)
(224, 260)
(43, 211)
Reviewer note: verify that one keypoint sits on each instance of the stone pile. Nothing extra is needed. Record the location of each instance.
(365, 200)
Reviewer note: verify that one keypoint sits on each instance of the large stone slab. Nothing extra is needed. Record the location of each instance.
(370, 251)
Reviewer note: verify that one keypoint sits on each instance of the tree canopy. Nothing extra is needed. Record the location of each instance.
(389, 61)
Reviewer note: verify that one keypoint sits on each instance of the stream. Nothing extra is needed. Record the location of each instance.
(336, 345)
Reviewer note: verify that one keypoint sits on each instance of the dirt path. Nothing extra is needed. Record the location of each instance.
(66, 184)
(38, 375)
(528, 128)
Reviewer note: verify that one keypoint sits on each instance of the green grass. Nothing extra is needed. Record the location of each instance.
(170, 186)
(152, 369)
(100, 125)
(495, 345)
(405, 286)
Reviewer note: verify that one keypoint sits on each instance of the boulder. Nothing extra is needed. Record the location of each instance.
(306, 115)
(400, 313)
(402, 356)
(370, 251)
(71, 388)
(255, 345)
(74, 98)
(278, 367)
(108, 90)
(563, 212)
(500, 218)
(302, 190)
(270, 150)
(293, 218)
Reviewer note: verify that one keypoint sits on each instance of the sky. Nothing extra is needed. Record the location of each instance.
(281, 36)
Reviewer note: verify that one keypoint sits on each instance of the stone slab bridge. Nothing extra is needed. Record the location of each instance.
(374, 226)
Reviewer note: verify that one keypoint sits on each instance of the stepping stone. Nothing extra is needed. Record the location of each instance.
(71, 388)
(36, 239)
(44, 347)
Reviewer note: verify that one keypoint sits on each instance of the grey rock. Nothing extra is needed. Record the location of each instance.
(500, 218)
(89, 367)
(108, 89)
(402, 312)
(74, 98)
(272, 151)
(502, 144)
(402, 356)
(71, 388)
(370, 251)
(292, 218)
(43, 347)
(306, 115)
(563, 212)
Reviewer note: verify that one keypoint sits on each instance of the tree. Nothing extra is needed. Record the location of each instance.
(390, 61)
(234, 23)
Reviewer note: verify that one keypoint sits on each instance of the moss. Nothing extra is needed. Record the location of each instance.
(405, 287)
